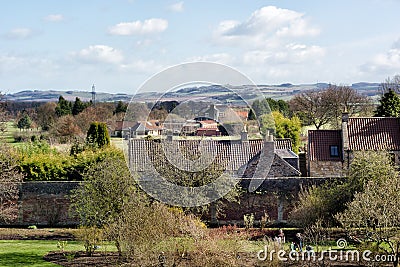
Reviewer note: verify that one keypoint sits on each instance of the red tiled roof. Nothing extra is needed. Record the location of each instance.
(283, 143)
(320, 141)
(374, 133)
(229, 154)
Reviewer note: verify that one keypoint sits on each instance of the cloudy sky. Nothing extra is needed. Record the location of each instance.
(117, 45)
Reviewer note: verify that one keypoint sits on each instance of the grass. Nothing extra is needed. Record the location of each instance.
(8, 136)
(20, 253)
(30, 252)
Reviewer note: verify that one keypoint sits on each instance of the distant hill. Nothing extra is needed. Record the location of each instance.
(53, 95)
(215, 92)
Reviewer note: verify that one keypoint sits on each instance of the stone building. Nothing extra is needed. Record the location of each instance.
(249, 160)
(331, 151)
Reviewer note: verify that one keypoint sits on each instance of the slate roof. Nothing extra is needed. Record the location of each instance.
(319, 143)
(374, 133)
(278, 168)
(141, 126)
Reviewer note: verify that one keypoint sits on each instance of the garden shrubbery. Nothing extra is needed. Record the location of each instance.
(39, 162)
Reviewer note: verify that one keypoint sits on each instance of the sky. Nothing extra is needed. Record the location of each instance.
(118, 45)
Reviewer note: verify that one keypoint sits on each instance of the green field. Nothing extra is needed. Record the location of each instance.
(8, 136)
(31, 252)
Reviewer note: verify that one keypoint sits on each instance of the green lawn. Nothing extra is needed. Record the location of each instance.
(8, 136)
(31, 252)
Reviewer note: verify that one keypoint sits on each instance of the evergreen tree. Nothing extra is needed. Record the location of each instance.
(98, 135)
(25, 122)
(78, 106)
(121, 107)
(251, 116)
(64, 107)
(389, 105)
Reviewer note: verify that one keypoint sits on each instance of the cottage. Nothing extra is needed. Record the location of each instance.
(144, 128)
(331, 151)
(240, 157)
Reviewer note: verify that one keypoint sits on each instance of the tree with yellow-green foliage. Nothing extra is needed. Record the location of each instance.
(288, 128)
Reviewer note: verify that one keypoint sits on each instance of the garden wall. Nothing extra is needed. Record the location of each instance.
(47, 203)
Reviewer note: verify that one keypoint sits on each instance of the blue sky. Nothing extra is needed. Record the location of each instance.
(69, 45)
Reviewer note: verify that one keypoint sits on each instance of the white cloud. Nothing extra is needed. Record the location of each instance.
(222, 58)
(177, 7)
(290, 54)
(149, 26)
(273, 44)
(263, 26)
(54, 17)
(20, 33)
(384, 62)
(99, 53)
(141, 66)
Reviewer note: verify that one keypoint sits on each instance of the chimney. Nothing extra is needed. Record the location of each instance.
(243, 135)
(169, 136)
(345, 116)
(345, 133)
(269, 144)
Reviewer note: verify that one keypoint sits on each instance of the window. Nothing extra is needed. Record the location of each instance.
(334, 151)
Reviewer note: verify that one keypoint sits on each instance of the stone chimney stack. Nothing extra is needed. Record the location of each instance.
(169, 136)
(345, 133)
(243, 135)
(269, 144)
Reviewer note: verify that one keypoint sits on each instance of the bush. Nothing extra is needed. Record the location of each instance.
(42, 163)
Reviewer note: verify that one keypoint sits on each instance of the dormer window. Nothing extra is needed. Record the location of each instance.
(334, 151)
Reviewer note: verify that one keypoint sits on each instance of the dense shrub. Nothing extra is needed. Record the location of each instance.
(39, 162)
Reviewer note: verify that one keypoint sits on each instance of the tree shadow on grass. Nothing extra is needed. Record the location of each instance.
(22, 259)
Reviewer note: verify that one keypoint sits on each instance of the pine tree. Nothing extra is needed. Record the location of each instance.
(389, 105)
(97, 135)
(78, 106)
(64, 107)
(25, 122)
(121, 107)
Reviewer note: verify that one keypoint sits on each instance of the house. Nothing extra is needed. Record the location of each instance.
(144, 128)
(121, 128)
(224, 113)
(247, 160)
(208, 128)
(331, 151)
(189, 127)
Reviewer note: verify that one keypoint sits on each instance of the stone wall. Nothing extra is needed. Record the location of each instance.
(275, 197)
(47, 203)
(326, 168)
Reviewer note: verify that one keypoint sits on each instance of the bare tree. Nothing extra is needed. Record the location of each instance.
(312, 108)
(391, 83)
(324, 107)
(3, 115)
(10, 178)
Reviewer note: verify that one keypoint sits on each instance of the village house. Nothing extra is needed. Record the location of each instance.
(241, 157)
(144, 128)
(331, 151)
